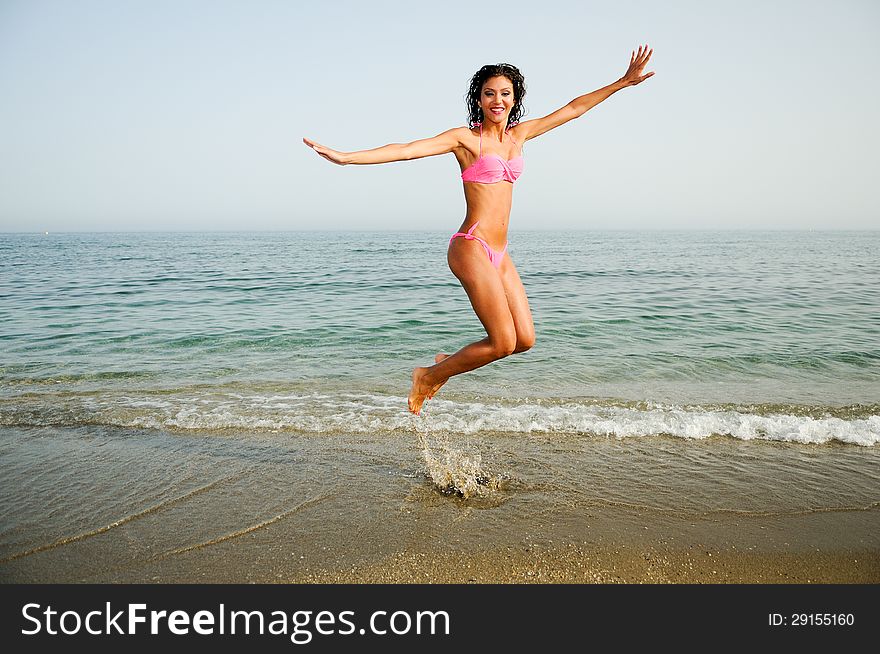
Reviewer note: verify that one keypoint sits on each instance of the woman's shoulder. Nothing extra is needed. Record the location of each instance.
(462, 134)
(457, 133)
(517, 129)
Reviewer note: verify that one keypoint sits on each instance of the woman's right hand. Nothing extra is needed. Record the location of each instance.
(327, 153)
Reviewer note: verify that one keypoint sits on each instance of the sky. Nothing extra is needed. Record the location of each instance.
(166, 115)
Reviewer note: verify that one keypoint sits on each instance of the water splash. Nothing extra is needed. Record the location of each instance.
(452, 470)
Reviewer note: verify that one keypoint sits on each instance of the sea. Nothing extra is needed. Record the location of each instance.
(143, 373)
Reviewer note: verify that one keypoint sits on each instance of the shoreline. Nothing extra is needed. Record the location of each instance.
(615, 547)
(99, 505)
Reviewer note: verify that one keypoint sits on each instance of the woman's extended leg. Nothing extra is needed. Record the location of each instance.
(485, 289)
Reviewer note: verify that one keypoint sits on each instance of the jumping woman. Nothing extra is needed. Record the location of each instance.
(489, 153)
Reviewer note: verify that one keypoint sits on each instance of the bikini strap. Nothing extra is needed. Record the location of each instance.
(481, 140)
(473, 227)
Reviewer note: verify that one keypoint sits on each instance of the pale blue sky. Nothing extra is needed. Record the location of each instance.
(155, 114)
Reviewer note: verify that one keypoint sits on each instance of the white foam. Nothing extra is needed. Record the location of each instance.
(352, 413)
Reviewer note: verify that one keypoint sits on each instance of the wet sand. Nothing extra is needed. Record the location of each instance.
(145, 506)
(628, 546)
(585, 564)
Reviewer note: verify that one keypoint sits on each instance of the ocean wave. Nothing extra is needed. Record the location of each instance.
(335, 412)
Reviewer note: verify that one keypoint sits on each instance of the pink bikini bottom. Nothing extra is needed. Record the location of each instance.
(494, 257)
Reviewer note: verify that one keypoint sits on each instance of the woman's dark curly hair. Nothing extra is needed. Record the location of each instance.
(475, 114)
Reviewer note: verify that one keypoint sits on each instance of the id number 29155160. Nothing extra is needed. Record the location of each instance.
(811, 620)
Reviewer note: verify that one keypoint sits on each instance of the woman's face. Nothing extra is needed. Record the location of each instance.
(496, 99)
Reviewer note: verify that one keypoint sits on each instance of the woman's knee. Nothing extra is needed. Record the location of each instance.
(503, 344)
(524, 343)
(525, 338)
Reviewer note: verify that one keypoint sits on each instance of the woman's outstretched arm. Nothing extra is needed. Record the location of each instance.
(440, 144)
(529, 129)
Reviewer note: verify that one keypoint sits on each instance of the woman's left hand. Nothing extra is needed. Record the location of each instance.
(637, 63)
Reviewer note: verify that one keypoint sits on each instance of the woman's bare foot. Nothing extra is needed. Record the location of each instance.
(418, 393)
(438, 359)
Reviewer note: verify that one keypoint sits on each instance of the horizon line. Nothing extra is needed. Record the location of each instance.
(557, 229)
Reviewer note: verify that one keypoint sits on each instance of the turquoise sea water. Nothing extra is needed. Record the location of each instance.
(772, 335)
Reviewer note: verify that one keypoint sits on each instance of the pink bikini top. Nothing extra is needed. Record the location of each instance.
(492, 168)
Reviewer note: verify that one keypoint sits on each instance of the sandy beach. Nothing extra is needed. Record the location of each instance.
(584, 564)
(110, 506)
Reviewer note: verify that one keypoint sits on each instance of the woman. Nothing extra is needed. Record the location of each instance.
(490, 156)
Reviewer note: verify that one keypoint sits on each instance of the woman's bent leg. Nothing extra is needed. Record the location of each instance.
(485, 290)
(518, 304)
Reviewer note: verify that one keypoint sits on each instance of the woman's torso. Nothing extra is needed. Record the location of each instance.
(488, 203)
